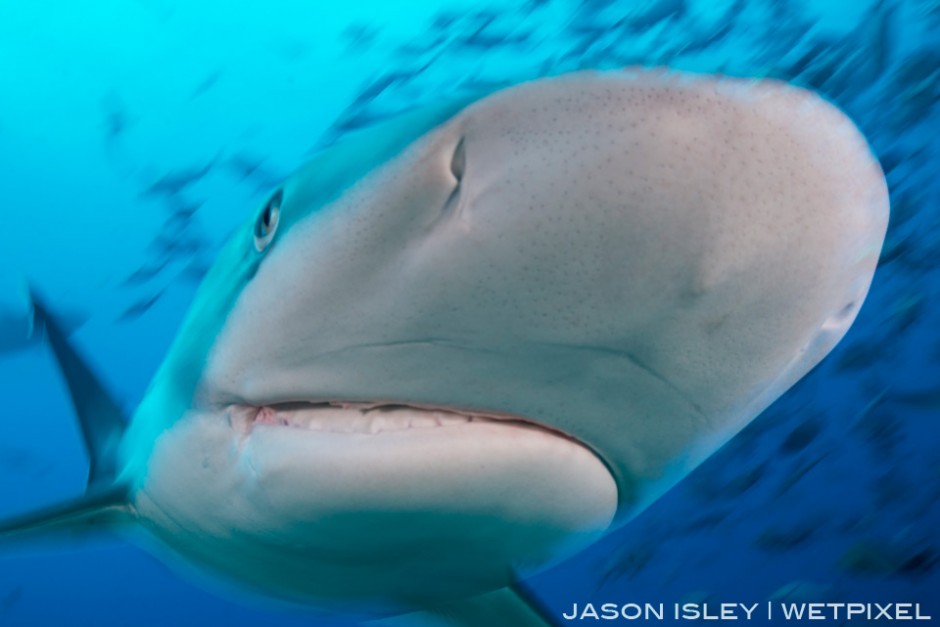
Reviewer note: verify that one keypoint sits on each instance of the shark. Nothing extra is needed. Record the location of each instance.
(461, 345)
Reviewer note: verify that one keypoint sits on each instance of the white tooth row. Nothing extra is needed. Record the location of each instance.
(359, 420)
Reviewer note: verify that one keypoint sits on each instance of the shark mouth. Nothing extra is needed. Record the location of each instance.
(367, 418)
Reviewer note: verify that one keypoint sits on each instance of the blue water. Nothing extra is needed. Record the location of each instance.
(833, 494)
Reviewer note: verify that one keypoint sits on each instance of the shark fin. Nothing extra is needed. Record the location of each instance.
(100, 418)
(513, 606)
(92, 510)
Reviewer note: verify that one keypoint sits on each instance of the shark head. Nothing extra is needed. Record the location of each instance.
(469, 341)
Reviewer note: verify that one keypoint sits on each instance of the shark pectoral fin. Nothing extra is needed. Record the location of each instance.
(513, 606)
(101, 420)
(93, 510)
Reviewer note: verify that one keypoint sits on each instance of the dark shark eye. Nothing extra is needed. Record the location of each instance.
(266, 225)
(459, 161)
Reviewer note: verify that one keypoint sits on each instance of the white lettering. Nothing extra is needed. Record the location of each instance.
(793, 611)
(856, 608)
(609, 611)
(815, 611)
(574, 613)
(883, 611)
(748, 611)
(589, 612)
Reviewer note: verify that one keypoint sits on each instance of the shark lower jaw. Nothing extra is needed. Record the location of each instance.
(372, 502)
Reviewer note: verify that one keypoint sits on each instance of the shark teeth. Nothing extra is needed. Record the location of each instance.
(346, 417)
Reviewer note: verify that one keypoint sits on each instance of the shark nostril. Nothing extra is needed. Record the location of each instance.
(459, 161)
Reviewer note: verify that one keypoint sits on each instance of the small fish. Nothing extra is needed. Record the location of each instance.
(116, 120)
(883, 35)
(9, 600)
(882, 430)
(486, 40)
(141, 307)
(207, 83)
(784, 539)
(173, 183)
(194, 271)
(627, 562)
(802, 591)
(802, 436)
(18, 459)
(881, 557)
(707, 521)
(924, 399)
(361, 35)
(145, 273)
(658, 12)
(898, 247)
(906, 311)
(858, 355)
(797, 474)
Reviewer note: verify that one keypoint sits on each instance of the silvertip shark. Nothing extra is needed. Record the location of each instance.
(459, 346)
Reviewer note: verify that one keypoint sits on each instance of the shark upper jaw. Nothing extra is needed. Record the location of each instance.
(366, 417)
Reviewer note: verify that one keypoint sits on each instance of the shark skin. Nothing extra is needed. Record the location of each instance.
(459, 346)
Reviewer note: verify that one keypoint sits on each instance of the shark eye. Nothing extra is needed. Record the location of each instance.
(266, 225)
(459, 161)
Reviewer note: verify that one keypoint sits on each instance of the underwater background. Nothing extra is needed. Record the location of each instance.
(136, 134)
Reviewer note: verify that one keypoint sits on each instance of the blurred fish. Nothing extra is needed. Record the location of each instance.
(418, 47)
(889, 488)
(883, 37)
(924, 399)
(916, 82)
(797, 474)
(21, 461)
(145, 273)
(174, 182)
(140, 307)
(711, 487)
(352, 121)
(875, 556)
(10, 599)
(184, 210)
(707, 521)
(657, 12)
(919, 70)
(882, 430)
(194, 271)
(802, 591)
(173, 244)
(806, 60)
(207, 83)
(705, 40)
(802, 436)
(483, 38)
(861, 354)
(116, 120)
(784, 539)
(252, 168)
(361, 35)
(906, 311)
(896, 247)
(627, 562)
